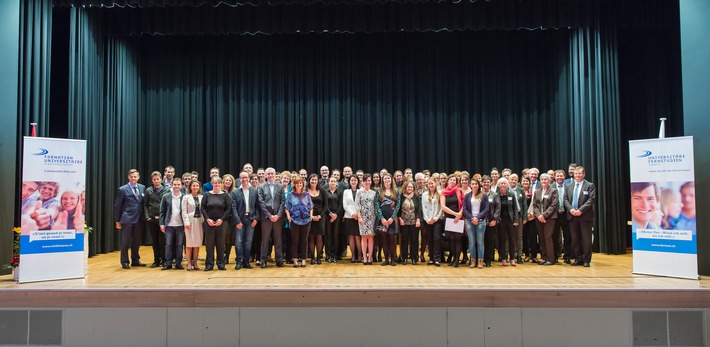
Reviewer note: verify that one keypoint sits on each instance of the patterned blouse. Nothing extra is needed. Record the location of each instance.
(299, 206)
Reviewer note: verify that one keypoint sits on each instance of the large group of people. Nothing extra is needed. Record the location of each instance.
(290, 217)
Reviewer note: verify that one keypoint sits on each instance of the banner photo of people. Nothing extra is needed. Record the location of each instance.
(52, 210)
(663, 213)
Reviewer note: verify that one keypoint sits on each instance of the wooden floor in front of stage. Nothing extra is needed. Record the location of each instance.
(607, 272)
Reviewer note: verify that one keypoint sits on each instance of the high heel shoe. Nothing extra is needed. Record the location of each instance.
(505, 262)
(303, 263)
(513, 263)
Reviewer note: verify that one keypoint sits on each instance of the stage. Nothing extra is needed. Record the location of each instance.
(607, 283)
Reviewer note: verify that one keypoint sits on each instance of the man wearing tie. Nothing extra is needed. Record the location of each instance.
(127, 210)
(533, 173)
(580, 196)
(244, 216)
(271, 203)
(561, 223)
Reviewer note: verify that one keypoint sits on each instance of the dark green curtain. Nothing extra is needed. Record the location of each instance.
(103, 84)
(35, 65)
(443, 101)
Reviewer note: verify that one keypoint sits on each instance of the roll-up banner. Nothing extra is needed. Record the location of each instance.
(52, 213)
(663, 225)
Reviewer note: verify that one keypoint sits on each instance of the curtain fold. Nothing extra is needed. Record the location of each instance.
(35, 66)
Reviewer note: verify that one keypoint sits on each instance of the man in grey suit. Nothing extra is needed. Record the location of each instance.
(580, 196)
(245, 214)
(271, 203)
(127, 211)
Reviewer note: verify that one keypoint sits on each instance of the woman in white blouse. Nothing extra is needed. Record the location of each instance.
(192, 219)
(351, 228)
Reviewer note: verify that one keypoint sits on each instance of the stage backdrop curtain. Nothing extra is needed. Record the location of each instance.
(438, 100)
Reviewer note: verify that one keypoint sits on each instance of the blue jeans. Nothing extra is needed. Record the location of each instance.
(174, 241)
(475, 238)
(243, 238)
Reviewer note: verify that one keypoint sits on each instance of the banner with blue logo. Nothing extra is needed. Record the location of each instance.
(663, 213)
(52, 212)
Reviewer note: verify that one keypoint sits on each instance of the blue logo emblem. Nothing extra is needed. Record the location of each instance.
(645, 154)
(42, 151)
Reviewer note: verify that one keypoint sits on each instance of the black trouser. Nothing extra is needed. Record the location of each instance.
(131, 234)
(530, 244)
(410, 242)
(215, 237)
(299, 240)
(255, 250)
(435, 231)
(332, 237)
(506, 236)
(388, 242)
(581, 239)
(489, 242)
(454, 244)
(158, 242)
(562, 223)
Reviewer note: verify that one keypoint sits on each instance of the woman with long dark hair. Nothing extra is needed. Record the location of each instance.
(350, 223)
(387, 207)
(475, 211)
(315, 237)
(333, 214)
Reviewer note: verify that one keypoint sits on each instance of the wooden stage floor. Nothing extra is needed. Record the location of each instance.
(607, 283)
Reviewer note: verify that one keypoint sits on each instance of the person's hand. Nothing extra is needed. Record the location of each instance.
(274, 218)
(253, 223)
(457, 219)
(188, 228)
(289, 219)
(61, 222)
(162, 228)
(210, 222)
(474, 220)
(240, 226)
(41, 216)
(493, 223)
(360, 221)
(418, 224)
(333, 216)
(541, 218)
(218, 223)
(118, 225)
(401, 221)
(515, 224)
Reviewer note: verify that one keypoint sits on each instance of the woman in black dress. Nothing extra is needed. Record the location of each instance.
(315, 237)
(216, 206)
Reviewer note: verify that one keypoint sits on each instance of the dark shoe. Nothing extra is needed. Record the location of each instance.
(247, 266)
(414, 262)
(456, 263)
(430, 263)
(313, 262)
(279, 264)
(547, 263)
(226, 259)
(451, 264)
(437, 264)
(263, 265)
(138, 264)
(238, 266)
(586, 265)
(125, 266)
(179, 267)
(167, 267)
(567, 261)
(488, 263)
(155, 264)
(393, 263)
(541, 262)
(577, 263)
(208, 268)
(385, 263)
(318, 261)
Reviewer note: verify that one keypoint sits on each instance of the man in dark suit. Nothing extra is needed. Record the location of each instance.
(127, 211)
(561, 236)
(245, 214)
(580, 196)
(271, 204)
